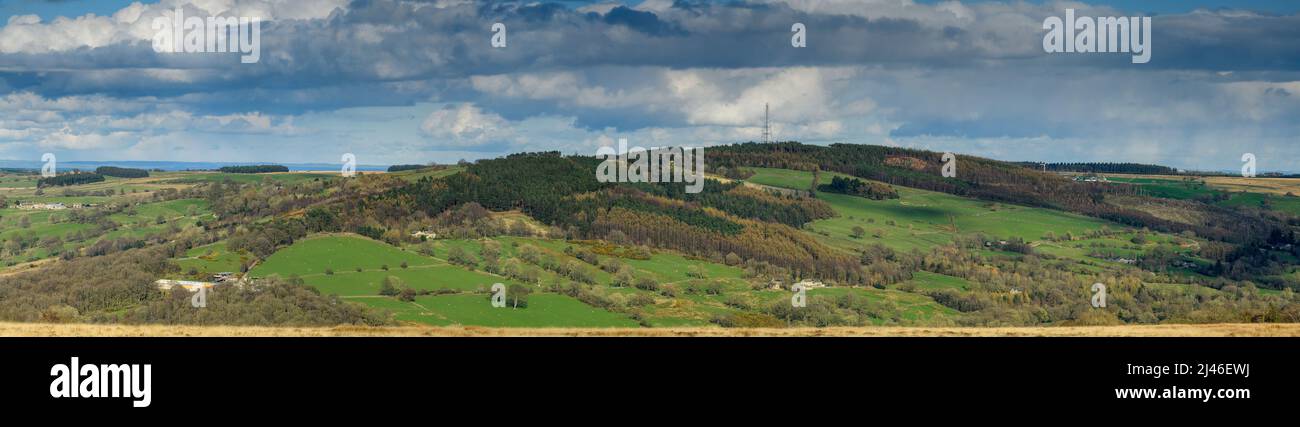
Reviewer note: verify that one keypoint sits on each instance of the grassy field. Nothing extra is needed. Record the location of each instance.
(787, 178)
(1278, 186)
(1167, 188)
(470, 305)
(10, 181)
(416, 175)
(312, 256)
(461, 294)
(210, 259)
(922, 219)
(924, 280)
(1289, 204)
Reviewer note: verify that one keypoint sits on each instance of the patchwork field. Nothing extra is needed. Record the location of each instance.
(330, 263)
(46, 233)
(245, 178)
(1278, 186)
(569, 287)
(922, 219)
(456, 295)
(1281, 194)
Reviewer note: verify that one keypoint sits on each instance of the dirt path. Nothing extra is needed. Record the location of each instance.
(26, 266)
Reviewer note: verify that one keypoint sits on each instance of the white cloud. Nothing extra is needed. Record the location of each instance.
(466, 125)
(600, 8)
(68, 140)
(134, 23)
(799, 94)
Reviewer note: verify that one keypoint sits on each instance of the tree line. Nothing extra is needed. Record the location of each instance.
(69, 179)
(121, 172)
(253, 169)
(1102, 167)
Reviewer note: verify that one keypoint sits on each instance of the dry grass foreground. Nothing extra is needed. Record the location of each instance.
(91, 330)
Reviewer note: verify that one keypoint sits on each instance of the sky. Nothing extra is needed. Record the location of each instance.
(417, 81)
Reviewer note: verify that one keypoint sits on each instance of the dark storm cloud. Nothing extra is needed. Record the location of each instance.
(386, 41)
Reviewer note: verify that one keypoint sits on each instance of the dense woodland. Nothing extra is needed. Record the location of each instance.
(121, 172)
(69, 179)
(1128, 168)
(399, 168)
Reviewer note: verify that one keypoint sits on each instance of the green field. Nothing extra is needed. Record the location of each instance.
(927, 281)
(416, 175)
(17, 181)
(922, 219)
(787, 178)
(312, 256)
(211, 259)
(309, 258)
(1288, 204)
(426, 277)
(1168, 188)
(462, 293)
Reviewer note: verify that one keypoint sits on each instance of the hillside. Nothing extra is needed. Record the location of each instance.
(892, 243)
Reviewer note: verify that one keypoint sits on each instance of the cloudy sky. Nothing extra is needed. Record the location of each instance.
(407, 81)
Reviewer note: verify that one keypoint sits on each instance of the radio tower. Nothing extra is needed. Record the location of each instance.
(767, 129)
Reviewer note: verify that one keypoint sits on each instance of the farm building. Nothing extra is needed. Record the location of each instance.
(41, 206)
(52, 206)
(168, 284)
(810, 284)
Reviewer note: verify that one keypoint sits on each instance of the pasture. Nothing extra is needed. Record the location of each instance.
(921, 219)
